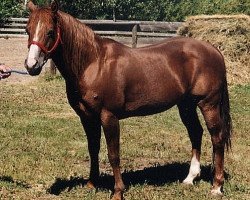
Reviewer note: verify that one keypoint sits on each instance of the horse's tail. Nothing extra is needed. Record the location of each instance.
(225, 115)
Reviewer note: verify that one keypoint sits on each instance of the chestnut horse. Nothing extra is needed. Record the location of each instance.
(107, 81)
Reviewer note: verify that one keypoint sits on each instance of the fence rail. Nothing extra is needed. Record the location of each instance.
(146, 31)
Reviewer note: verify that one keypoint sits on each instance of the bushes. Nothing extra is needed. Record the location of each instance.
(178, 10)
(168, 10)
(10, 8)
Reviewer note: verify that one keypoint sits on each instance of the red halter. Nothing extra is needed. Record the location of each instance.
(45, 49)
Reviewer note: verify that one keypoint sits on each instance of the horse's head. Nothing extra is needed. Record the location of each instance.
(44, 36)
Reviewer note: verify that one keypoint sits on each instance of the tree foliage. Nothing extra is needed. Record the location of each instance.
(167, 10)
(10, 8)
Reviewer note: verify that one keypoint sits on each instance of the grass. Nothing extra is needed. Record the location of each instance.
(43, 150)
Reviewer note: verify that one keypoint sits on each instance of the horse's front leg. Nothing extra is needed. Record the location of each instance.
(92, 128)
(112, 134)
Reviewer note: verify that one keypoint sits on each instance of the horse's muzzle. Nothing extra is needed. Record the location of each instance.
(34, 70)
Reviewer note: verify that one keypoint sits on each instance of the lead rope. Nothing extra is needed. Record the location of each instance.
(17, 72)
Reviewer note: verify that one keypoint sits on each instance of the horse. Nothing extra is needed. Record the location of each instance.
(107, 81)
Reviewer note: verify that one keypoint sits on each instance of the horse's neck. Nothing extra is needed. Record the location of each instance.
(79, 47)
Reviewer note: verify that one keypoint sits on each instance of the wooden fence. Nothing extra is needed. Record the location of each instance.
(124, 31)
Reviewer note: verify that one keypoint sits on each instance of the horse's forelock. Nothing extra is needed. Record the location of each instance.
(43, 16)
(40, 22)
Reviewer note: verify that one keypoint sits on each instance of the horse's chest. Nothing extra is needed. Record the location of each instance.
(99, 91)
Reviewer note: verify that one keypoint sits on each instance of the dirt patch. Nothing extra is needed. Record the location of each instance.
(231, 35)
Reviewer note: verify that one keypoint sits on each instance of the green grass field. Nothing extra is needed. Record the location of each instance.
(43, 150)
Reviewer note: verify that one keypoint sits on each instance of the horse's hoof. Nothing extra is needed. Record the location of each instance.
(190, 178)
(188, 182)
(216, 192)
(117, 196)
(90, 185)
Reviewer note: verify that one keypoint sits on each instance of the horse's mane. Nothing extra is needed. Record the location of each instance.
(79, 40)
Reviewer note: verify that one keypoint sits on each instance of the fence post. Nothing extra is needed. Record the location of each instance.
(134, 36)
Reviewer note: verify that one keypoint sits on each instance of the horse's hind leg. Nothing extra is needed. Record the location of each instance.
(211, 113)
(190, 119)
(111, 129)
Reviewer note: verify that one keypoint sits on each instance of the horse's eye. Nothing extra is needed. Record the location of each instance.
(51, 34)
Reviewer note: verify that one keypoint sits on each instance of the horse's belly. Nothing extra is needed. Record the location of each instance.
(133, 109)
(147, 104)
(145, 101)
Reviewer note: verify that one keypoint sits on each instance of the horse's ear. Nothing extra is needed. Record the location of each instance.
(31, 6)
(54, 6)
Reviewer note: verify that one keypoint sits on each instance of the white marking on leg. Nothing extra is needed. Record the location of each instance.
(216, 191)
(34, 51)
(194, 171)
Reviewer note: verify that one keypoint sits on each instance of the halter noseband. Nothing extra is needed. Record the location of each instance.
(45, 49)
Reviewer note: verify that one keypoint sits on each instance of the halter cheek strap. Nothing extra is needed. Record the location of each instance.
(45, 49)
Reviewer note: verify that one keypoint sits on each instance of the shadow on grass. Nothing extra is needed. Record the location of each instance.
(10, 180)
(156, 175)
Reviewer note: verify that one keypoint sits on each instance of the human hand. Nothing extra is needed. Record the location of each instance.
(4, 71)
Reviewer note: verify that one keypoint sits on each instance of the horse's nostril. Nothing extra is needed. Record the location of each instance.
(30, 63)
